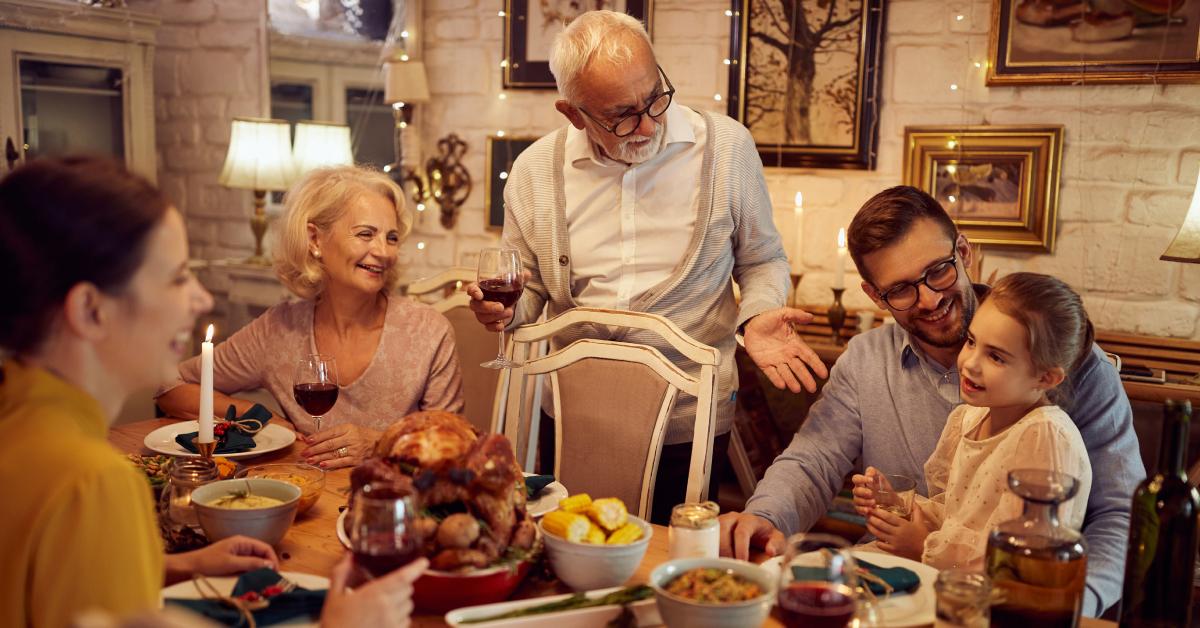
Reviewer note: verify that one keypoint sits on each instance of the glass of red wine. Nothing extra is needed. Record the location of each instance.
(499, 278)
(818, 584)
(381, 533)
(316, 385)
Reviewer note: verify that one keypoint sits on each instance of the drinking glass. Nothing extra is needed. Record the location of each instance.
(895, 493)
(499, 277)
(818, 583)
(316, 385)
(381, 533)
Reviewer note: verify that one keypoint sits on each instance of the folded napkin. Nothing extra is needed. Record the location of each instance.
(902, 580)
(297, 603)
(235, 440)
(535, 483)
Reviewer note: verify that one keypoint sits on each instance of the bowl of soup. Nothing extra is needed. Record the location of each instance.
(712, 593)
(310, 479)
(259, 508)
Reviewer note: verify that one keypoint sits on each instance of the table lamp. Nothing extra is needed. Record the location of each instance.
(259, 159)
(321, 144)
(1186, 245)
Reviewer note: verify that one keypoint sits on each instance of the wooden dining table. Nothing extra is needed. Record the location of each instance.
(312, 546)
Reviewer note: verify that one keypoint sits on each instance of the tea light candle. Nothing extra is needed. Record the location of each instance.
(839, 272)
(798, 212)
(206, 389)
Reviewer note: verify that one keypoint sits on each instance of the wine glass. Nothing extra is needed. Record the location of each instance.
(316, 385)
(499, 277)
(381, 532)
(818, 583)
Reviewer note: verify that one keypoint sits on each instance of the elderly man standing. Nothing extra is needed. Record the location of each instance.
(643, 204)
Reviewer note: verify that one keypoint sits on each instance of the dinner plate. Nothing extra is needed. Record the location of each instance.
(272, 438)
(187, 590)
(645, 611)
(342, 535)
(918, 608)
(547, 499)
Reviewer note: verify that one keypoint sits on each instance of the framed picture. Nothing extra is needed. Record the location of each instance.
(501, 153)
(804, 78)
(1035, 42)
(530, 27)
(998, 183)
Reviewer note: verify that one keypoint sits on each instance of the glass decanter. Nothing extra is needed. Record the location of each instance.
(1038, 563)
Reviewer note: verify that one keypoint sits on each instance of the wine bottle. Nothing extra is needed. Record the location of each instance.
(1162, 534)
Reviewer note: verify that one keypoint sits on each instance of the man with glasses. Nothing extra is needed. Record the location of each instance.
(644, 204)
(889, 394)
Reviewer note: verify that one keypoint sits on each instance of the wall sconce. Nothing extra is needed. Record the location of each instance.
(405, 83)
(449, 183)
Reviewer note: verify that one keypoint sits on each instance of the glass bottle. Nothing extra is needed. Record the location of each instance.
(1162, 533)
(175, 506)
(963, 599)
(1039, 564)
(695, 531)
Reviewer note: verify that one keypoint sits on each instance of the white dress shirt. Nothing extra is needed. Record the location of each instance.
(629, 225)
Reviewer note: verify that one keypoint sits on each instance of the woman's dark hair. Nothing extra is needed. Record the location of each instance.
(64, 221)
(887, 217)
(1060, 332)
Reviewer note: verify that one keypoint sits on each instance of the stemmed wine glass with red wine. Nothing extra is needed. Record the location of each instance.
(316, 385)
(818, 584)
(499, 277)
(381, 534)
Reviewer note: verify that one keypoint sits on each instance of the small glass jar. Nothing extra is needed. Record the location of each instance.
(695, 531)
(175, 506)
(963, 599)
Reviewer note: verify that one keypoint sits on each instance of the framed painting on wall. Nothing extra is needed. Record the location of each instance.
(804, 77)
(998, 183)
(501, 153)
(530, 27)
(1037, 42)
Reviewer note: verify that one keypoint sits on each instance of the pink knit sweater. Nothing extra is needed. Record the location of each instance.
(415, 366)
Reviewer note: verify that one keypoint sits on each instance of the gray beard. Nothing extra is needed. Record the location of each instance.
(637, 156)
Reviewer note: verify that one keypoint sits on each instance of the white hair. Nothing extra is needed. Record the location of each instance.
(604, 35)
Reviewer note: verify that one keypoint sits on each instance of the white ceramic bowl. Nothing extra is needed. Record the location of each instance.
(585, 566)
(265, 524)
(678, 611)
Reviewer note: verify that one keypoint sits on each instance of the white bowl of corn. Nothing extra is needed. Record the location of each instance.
(594, 544)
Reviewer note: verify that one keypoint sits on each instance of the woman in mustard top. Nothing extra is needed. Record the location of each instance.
(98, 302)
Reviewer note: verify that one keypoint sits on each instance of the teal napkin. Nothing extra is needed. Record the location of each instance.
(535, 483)
(297, 603)
(902, 580)
(235, 441)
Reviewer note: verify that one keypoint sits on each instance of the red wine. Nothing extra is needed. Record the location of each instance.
(383, 563)
(816, 605)
(1021, 617)
(316, 399)
(500, 290)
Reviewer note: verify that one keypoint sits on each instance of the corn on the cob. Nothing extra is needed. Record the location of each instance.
(609, 513)
(595, 535)
(575, 503)
(568, 525)
(627, 533)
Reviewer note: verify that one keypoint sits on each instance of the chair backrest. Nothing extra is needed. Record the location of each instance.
(612, 402)
(440, 286)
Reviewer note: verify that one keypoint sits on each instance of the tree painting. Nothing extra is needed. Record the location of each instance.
(802, 74)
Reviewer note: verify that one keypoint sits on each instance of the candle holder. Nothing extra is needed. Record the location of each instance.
(837, 315)
(796, 277)
(205, 449)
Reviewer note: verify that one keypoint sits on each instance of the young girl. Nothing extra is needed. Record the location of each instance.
(1024, 341)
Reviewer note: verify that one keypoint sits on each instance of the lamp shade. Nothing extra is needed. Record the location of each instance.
(404, 81)
(321, 144)
(260, 155)
(1186, 245)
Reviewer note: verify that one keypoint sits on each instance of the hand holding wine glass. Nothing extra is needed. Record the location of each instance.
(381, 530)
(316, 385)
(500, 280)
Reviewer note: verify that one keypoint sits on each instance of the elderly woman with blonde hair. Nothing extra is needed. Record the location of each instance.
(338, 252)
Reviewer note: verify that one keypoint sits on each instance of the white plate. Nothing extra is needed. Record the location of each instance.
(187, 590)
(912, 609)
(645, 610)
(272, 438)
(547, 499)
(341, 529)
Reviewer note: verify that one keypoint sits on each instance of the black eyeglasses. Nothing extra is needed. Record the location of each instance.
(630, 123)
(938, 277)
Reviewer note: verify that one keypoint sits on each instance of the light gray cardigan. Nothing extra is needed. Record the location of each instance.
(734, 240)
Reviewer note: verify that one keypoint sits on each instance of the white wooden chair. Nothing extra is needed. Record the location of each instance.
(612, 403)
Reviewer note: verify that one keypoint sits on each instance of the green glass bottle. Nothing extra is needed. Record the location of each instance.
(1162, 534)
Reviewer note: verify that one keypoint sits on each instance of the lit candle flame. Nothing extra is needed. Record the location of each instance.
(209, 335)
(799, 203)
(841, 238)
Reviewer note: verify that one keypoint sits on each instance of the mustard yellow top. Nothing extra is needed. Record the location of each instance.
(78, 529)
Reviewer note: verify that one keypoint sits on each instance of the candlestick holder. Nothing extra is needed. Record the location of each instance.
(205, 449)
(837, 315)
(796, 277)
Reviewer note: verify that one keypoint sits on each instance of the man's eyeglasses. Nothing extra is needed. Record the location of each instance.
(631, 121)
(938, 277)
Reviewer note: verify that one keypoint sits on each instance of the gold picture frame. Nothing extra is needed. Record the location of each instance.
(998, 183)
(1039, 43)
